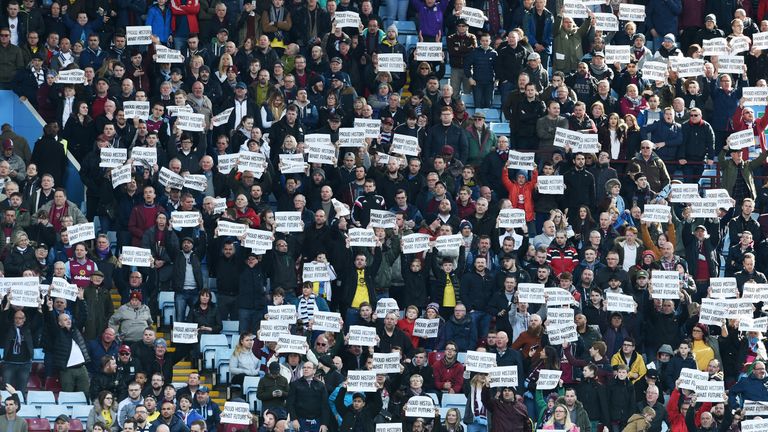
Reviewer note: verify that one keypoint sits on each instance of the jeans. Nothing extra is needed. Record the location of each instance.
(250, 320)
(482, 321)
(352, 317)
(179, 43)
(459, 82)
(183, 299)
(228, 308)
(692, 173)
(309, 425)
(17, 375)
(476, 426)
(483, 95)
(505, 88)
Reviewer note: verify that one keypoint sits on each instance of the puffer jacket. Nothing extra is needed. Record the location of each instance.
(61, 342)
(526, 190)
(130, 322)
(479, 64)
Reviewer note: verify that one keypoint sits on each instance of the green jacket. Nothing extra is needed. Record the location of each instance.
(567, 45)
(582, 418)
(729, 170)
(479, 146)
(389, 257)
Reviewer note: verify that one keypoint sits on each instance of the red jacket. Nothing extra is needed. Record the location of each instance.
(562, 259)
(191, 9)
(453, 374)
(758, 126)
(676, 418)
(516, 192)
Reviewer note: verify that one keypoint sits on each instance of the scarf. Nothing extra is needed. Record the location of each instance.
(635, 101)
(307, 308)
(276, 15)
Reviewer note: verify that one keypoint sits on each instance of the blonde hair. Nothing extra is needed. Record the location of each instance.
(567, 424)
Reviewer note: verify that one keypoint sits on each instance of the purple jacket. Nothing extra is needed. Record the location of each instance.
(430, 18)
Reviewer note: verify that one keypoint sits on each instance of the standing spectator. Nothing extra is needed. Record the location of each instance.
(509, 64)
(507, 410)
(661, 18)
(68, 351)
(568, 42)
(131, 319)
(460, 46)
(307, 402)
(580, 185)
(479, 69)
(539, 31)
(18, 349)
(696, 131)
(430, 14)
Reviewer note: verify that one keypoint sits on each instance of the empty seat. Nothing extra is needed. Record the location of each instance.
(53, 383)
(208, 345)
(50, 412)
(500, 128)
(41, 398)
(410, 42)
(434, 398)
(406, 27)
(165, 301)
(39, 355)
(28, 412)
(75, 425)
(250, 385)
(454, 400)
(469, 100)
(81, 412)
(38, 424)
(461, 357)
(70, 399)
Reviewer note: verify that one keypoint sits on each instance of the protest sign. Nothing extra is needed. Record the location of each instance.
(389, 427)
(620, 302)
(382, 219)
(138, 35)
(449, 242)
(282, 313)
(405, 145)
(362, 336)
(254, 162)
(136, 109)
(361, 237)
(231, 228)
(372, 127)
(386, 362)
(71, 76)
(756, 425)
(191, 122)
(548, 379)
(227, 162)
(730, 64)
(739, 44)
(477, 361)
(631, 12)
(391, 63)
(559, 335)
(81, 232)
(347, 19)
(429, 51)
(704, 207)
(684, 192)
(386, 305)
(504, 376)
(755, 408)
(760, 40)
(755, 292)
(61, 288)
(715, 47)
(167, 55)
(575, 9)
(749, 324)
(560, 316)
(292, 163)
(315, 272)
(185, 219)
(326, 321)
(112, 157)
(134, 256)
(557, 296)
(709, 391)
(551, 185)
(688, 378)
(170, 179)
(755, 96)
(288, 221)
(426, 328)
(415, 243)
(712, 312)
(689, 67)
(606, 21)
(511, 218)
(25, 291)
(617, 54)
(196, 182)
(656, 213)
(219, 205)
(172, 110)
(258, 240)
(737, 308)
(665, 284)
(222, 117)
(655, 70)
(270, 331)
(351, 137)
(420, 406)
(361, 381)
(184, 333)
(322, 153)
(474, 17)
(531, 293)
(742, 139)
(288, 343)
(520, 160)
(723, 287)
(144, 156)
(236, 413)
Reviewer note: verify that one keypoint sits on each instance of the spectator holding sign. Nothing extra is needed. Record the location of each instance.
(506, 408)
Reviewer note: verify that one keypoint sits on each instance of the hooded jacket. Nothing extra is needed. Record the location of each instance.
(516, 191)
(568, 44)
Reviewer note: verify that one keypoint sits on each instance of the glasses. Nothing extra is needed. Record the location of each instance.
(321, 344)
(629, 345)
(695, 115)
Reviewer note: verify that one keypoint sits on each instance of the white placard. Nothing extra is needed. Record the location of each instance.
(580, 142)
(136, 109)
(144, 155)
(631, 12)
(559, 316)
(755, 292)
(71, 76)
(606, 21)
(61, 288)
(520, 160)
(289, 343)
(617, 53)
(81, 232)
(134, 256)
(236, 413)
(548, 379)
(474, 17)
(288, 221)
(709, 391)
(167, 55)
(391, 63)
(222, 117)
(191, 122)
(755, 96)
(382, 219)
(415, 243)
(170, 179)
(219, 205)
(704, 208)
(684, 192)
(655, 71)
(254, 162)
(346, 19)
(120, 175)
(511, 218)
(730, 64)
(352, 137)
(112, 157)
(270, 331)
(715, 47)
(405, 145)
(688, 378)
(234, 229)
(372, 127)
(755, 408)
(185, 219)
(386, 305)
(315, 272)
(504, 376)
(25, 291)
(184, 333)
(449, 242)
(316, 139)
(282, 313)
(557, 296)
(292, 163)
(361, 381)
(724, 287)
(225, 163)
(712, 312)
(575, 9)
(386, 363)
(737, 308)
(760, 40)
(420, 406)
(477, 361)
(361, 335)
(757, 425)
(531, 293)
(665, 284)
(753, 324)
(551, 185)
(138, 35)
(258, 240)
(174, 109)
(620, 302)
(559, 335)
(656, 213)
(429, 51)
(322, 153)
(739, 45)
(326, 321)
(389, 427)
(689, 67)
(741, 139)
(426, 328)
(361, 237)
(196, 182)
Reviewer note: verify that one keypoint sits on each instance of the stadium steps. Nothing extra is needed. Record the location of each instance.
(182, 370)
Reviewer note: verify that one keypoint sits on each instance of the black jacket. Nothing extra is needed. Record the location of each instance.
(349, 282)
(252, 289)
(621, 400)
(61, 342)
(709, 249)
(358, 421)
(592, 396)
(698, 142)
(180, 268)
(309, 400)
